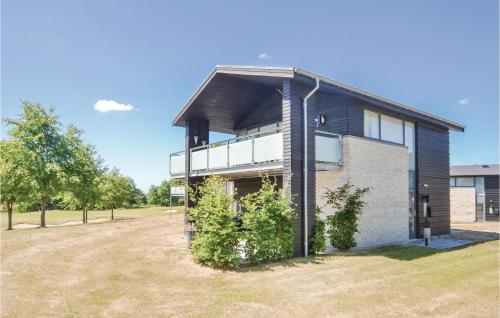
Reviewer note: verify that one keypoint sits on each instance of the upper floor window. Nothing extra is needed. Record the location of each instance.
(464, 181)
(391, 129)
(371, 124)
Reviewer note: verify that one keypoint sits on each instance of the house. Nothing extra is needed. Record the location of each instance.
(474, 193)
(313, 133)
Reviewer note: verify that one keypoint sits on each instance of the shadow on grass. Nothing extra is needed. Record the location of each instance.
(397, 252)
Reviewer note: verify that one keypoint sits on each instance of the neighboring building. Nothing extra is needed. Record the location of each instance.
(352, 136)
(474, 193)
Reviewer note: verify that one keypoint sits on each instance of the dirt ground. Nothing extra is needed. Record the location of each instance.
(141, 268)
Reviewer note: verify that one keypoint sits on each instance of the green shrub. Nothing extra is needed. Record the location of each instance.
(268, 224)
(343, 224)
(217, 238)
(318, 238)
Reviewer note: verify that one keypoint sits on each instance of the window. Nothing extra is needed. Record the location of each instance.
(410, 143)
(391, 129)
(452, 182)
(480, 185)
(371, 124)
(465, 182)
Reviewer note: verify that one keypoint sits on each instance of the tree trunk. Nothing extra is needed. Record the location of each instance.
(42, 215)
(83, 216)
(86, 215)
(9, 212)
(112, 215)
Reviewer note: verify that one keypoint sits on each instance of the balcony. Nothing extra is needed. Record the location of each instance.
(260, 152)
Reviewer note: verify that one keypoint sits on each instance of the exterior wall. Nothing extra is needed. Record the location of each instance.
(433, 176)
(491, 185)
(269, 111)
(462, 204)
(194, 127)
(293, 156)
(384, 168)
(244, 186)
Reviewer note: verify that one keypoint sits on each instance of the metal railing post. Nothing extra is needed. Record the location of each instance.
(208, 157)
(253, 148)
(227, 155)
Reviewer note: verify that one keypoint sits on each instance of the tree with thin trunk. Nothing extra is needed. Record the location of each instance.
(115, 190)
(82, 175)
(13, 176)
(38, 131)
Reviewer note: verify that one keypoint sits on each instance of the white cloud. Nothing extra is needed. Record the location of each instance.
(464, 101)
(105, 106)
(265, 56)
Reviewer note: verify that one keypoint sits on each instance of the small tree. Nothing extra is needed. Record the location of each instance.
(343, 224)
(268, 224)
(318, 239)
(216, 240)
(152, 195)
(13, 176)
(115, 190)
(82, 173)
(38, 131)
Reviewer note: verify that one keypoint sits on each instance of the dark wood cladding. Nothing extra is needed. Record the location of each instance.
(293, 155)
(492, 196)
(244, 186)
(433, 176)
(269, 111)
(227, 100)
(194, 127)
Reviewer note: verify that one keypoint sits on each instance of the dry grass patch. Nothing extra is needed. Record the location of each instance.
(141, 267)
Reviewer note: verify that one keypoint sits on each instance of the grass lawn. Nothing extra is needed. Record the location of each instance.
(54, 217)
(141, 267)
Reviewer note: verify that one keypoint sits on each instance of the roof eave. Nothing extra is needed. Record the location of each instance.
(284, 72)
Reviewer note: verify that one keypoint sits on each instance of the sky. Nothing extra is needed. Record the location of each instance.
(121, 70)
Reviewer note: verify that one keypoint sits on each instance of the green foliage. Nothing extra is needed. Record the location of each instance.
(343, 224)
(38, 131)
(152, 196)
(115, 189)
(160, 195)
(82, 174)
(216, 239)
(268, 224)
(13, 176)
(136, 198)
(318, 239)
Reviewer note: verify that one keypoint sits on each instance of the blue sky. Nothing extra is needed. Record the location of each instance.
(438, 56)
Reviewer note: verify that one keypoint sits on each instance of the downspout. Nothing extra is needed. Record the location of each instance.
(306, 192)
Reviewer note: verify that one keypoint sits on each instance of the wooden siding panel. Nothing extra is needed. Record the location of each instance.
(293, 154)
(433, 173)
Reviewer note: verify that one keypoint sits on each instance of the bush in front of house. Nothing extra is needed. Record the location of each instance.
(268, 224)
(318, 238)
(343, 224)
(217, 237)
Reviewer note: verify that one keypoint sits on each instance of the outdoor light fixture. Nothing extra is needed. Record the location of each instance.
(320, 120)
(195, 139)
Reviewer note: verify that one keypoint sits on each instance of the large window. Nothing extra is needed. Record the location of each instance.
(410, 143)
(371, 125)
(391, 129)
(465, 181)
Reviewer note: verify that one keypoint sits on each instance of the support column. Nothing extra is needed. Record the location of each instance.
(293, 157)
(199, 128)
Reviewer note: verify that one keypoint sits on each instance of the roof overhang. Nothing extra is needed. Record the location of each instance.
(271, 78)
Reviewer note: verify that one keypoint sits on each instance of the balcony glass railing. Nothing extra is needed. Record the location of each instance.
(328, 148)
(247, 150)
(251, 150)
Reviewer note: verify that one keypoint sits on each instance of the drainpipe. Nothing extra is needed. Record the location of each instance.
(306, 241)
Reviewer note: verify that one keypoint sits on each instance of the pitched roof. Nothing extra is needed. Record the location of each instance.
(297, 73)
(475, 170)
